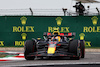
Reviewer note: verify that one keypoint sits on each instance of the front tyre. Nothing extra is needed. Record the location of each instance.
(29, 48)
(82, 46)
(74, 47)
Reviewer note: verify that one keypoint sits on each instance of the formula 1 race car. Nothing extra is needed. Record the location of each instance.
(55, 44)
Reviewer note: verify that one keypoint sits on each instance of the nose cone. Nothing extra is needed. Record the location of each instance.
(51, 50)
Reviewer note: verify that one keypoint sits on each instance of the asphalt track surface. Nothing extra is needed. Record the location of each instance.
(90, 58)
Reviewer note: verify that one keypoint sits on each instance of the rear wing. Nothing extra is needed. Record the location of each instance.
(68, 34)
(61, 34)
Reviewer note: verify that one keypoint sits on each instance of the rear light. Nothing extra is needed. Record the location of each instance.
(47, 44)
(48, 34)
(61, 34)
(58, 44)
(69, 34)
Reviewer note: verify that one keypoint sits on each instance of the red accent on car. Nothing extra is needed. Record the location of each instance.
(48, 34)
(61, 34)
(54, 42)
(58, 44)
(55, 48)
(38, 55)
(69, 34)
(61, 55)
(74, 56)
(32, 55)
(47, 44)
(51, 42)
(66, 55)
(78, 44)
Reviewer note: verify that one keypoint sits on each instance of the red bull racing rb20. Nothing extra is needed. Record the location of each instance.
(54, 45)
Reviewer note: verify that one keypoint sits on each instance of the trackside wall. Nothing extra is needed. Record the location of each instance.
(14, 30)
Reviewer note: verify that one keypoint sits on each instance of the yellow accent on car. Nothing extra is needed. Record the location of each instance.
(38, 38)
(51, 50)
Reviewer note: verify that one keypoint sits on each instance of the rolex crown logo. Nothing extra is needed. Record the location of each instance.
(82, 35)
(24, 36)
(94, 20)
(59, 20)
(23, 20)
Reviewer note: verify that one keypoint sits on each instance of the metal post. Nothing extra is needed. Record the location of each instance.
(64, 10)
(31, 11)
(97, 10)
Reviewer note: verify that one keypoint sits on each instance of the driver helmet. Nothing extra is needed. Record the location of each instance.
(56, 35)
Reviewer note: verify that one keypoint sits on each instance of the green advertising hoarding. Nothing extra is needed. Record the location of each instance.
(15, 30)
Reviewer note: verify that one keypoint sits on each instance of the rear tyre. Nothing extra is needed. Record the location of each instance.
(74, 47)
(82, 46)
(29, 48)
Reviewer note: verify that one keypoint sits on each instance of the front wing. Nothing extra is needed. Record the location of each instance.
(45, 54)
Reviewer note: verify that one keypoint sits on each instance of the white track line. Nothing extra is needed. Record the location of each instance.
(56, 64)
